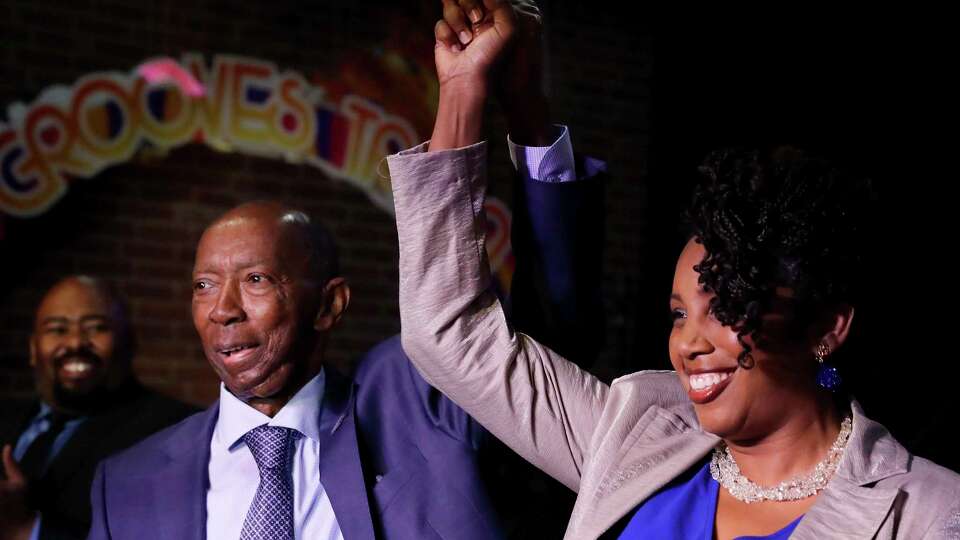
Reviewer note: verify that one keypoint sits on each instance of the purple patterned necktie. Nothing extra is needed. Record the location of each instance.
(271, 513)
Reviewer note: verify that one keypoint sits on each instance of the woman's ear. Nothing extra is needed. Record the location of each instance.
(836, 327)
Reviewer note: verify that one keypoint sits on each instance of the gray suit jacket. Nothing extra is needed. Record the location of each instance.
(614, 445)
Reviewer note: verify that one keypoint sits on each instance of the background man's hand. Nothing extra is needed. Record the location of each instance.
(16, 518)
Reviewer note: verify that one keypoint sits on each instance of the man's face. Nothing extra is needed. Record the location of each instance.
(75, 348)
(254, 304)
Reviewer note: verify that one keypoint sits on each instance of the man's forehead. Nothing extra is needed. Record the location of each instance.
(269, 213)
(236, 229)
(73, 299)
(249, 239)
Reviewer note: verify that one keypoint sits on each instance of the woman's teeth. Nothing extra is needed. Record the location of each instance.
(701, 381)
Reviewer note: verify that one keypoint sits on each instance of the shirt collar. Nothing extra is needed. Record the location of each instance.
(301, 413)
(45, 410)
(46, 414)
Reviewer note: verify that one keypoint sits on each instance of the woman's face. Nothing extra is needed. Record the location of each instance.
(733, 402)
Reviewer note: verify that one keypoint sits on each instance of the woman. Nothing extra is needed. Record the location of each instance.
(747, 437)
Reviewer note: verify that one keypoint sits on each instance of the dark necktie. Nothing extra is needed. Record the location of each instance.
(271, 512)
(34, 461)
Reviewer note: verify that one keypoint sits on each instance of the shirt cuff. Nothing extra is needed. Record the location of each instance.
(554, 163)
(35, 533)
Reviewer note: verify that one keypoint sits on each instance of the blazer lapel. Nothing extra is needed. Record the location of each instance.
(341, 471)
(178, 490)
(640, 471)
(846, 510)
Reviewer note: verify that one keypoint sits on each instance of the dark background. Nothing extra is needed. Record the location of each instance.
(649, 93)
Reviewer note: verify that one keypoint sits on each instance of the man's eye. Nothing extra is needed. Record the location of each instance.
(258, 279)
(677, 314)
(200, 285)
(56, 330)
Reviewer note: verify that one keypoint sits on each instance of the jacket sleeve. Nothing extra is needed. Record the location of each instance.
(454, 328)
(98, 527)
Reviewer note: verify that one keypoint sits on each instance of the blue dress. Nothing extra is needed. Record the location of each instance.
(685, 509)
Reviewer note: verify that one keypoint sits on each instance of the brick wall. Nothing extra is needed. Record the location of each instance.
(138, 223)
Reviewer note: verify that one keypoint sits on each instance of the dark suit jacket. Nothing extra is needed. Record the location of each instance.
(63, 493)
(397, 458)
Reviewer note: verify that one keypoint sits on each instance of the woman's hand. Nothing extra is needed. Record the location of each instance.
(471, 40)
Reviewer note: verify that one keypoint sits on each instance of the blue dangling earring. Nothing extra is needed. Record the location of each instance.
(827, 376)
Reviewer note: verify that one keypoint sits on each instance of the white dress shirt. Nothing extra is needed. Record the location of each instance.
(234, 475)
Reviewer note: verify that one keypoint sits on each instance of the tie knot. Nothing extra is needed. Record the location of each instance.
(269, 445)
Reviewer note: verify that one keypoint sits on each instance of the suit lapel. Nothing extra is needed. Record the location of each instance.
(96, 436)
(88, 440)
(178, 490)
(341, 471)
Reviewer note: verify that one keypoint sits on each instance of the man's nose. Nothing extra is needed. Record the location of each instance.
(77, 338)
(229, 306)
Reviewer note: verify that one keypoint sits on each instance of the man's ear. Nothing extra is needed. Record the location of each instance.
(333, 303)
(33, 350)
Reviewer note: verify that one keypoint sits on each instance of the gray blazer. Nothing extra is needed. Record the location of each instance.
(614, 445)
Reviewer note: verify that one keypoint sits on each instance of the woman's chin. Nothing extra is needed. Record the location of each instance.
(721, 423)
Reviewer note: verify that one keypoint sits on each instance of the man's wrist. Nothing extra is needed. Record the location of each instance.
(528, 121)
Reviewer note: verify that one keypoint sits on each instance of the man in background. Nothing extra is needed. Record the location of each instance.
(89, 405)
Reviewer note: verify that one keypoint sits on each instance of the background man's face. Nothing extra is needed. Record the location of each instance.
(74, 346)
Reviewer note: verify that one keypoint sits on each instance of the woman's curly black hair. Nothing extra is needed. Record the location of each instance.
(778, 218)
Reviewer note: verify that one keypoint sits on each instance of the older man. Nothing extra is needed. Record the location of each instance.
(90, 405)
(294, 450)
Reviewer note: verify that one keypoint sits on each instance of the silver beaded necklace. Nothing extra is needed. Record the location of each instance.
(726, 472)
